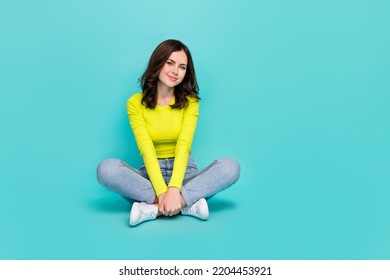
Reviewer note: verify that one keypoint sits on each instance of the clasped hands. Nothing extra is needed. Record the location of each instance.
(170, 202)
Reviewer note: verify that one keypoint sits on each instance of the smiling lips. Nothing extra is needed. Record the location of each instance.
(173, 79)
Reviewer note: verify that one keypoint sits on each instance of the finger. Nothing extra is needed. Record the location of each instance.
(161, 209)
(171, 212)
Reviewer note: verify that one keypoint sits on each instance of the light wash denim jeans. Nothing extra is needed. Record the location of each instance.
(134, 184)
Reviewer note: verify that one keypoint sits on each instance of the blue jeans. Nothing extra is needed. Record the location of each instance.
(134, 184)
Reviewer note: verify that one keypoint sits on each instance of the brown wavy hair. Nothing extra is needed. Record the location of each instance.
(186, 89)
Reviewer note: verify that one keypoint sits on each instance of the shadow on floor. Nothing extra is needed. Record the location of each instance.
(109, 204)
(120, 205)
(217, 204)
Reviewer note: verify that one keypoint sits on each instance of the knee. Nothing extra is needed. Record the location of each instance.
(106, 169)
(230, 168)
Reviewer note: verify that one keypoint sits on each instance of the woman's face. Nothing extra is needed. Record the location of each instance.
(174, 69)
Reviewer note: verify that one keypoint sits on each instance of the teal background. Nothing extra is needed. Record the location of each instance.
(297, 91)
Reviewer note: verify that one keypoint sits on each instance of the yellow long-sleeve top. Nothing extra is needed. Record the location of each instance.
(163, 132)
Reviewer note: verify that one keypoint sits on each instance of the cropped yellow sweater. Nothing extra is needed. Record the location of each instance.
(163, 132)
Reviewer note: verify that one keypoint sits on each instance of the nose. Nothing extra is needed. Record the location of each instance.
(174, 70)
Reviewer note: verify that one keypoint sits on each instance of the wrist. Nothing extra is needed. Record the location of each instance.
(161, 195)
(173, 189)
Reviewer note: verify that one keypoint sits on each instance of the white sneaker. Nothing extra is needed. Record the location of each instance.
(199, 209)
(141, 212)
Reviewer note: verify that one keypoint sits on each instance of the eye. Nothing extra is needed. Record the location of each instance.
(170, 63)
(183, 68)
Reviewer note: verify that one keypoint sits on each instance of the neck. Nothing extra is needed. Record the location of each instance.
(164, 94)
(163, 91)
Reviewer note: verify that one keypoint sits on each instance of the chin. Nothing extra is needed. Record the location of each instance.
(173, 84)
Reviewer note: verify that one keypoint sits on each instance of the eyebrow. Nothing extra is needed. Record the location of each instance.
(175, 62)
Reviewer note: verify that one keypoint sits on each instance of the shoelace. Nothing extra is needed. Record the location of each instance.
(193, 210)
(149, 214)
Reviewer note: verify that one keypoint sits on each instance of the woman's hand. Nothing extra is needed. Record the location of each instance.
(170, 202)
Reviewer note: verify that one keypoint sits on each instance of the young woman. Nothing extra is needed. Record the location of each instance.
(163, 119)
